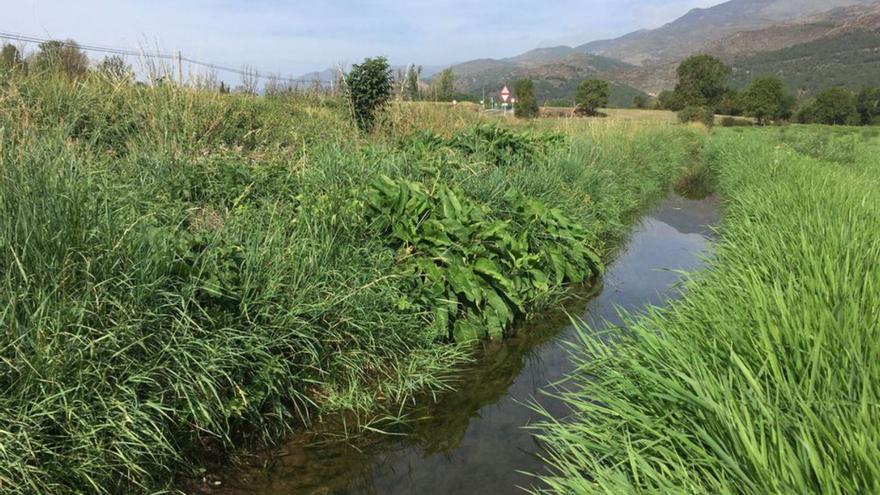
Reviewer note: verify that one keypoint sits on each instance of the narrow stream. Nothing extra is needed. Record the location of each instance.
(472, 441)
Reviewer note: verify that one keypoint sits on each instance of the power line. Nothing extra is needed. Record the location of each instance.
(158, 55)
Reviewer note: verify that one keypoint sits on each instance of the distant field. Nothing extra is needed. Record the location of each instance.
(658, 116)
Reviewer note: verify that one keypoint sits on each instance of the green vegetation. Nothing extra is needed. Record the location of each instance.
(526, 106)
(369, 88)
(766, 100)
(702, 81)
(764, 378)
(443, 86)
(849, 60)
(187, 273)
(703, 115)
(591, 95)
(835, 106)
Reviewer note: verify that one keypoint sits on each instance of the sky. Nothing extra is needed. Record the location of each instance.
(296, 37)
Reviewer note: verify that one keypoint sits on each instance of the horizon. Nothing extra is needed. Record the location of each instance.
(293, 40)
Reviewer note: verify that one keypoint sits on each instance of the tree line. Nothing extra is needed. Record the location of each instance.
(702, 91)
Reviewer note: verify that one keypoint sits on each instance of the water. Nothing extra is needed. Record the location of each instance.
(472, 441)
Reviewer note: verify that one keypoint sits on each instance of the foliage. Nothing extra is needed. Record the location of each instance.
(731, 103)
(115, 68)
(369, 89)
(835, 106)
(591, 95)
(10, 57)
(868, 106)
(60, 56)
(670, 100)
(444, 85)
(847, 60)
(729, 121)
(640, 102)
(413, 80)
(704, 115)
(763, 379)
(702, 80)
(526, 106)
(474, 271)
(188, 274)
(766, 100)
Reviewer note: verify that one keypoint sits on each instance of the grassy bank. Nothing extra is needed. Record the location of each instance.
(187, 273)
(764, 379)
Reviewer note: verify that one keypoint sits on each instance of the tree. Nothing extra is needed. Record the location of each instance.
(413, 81)
(444, 85)
(670, 100)
(702, 80)
(369, 88)
(526, 106)
(731, 103)
(114, 67)
(640, 101)
(868, 106)
(766, 100)
(10, 57)
(835, 106)
(590, 95)
(61, 56)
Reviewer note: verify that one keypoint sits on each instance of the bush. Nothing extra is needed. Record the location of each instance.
(735, 122)
(591, 95)
(703, 115)
(369, 89)
(526, 105)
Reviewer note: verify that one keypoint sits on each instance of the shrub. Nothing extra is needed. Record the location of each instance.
(734, 122)
(369, 89)
(704, 115)
(526, 105)
(591, 95)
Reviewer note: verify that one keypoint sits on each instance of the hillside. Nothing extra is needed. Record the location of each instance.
(748, 34)
(850, 60)
(699, 27)
(808, 53)
(553, 80)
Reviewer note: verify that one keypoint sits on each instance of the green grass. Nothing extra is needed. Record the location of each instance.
(764, 378)
(186, 274)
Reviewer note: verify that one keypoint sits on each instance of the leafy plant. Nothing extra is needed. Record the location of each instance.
(369, 89)
(474, 271)
(591, 95)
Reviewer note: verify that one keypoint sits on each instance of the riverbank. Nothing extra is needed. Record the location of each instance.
(189, 274)
(764, 378)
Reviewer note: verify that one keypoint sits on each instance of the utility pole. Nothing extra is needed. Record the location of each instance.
(179, 68)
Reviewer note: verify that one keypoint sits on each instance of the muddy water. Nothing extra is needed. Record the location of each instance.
(472, 441)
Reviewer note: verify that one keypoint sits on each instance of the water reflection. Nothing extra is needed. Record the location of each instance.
(473, 441)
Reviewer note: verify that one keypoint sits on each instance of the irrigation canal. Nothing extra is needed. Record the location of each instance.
(473, 441)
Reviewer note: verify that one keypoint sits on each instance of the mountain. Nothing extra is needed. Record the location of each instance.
(849, 59)
(699, 27)
(789, 50)
(756, 37)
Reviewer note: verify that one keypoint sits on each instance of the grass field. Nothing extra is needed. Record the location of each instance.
(188, 273)
(766, 377)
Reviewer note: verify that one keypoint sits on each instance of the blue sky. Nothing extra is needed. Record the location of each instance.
(295, 37)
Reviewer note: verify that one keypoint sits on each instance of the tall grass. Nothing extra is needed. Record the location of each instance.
(766, 377)
(186, 273)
